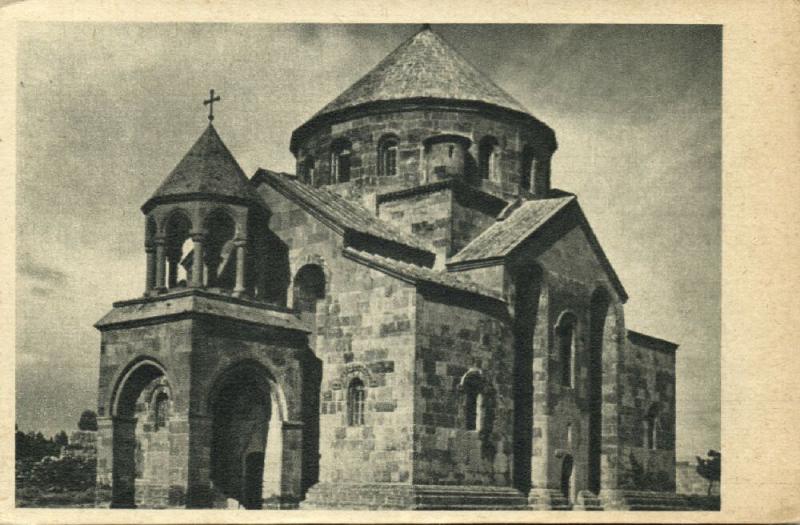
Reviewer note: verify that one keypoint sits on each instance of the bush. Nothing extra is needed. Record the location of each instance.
(64, 474)
(88, 420)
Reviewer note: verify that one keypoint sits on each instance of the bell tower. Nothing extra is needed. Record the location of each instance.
(206, 388)
(196, 233)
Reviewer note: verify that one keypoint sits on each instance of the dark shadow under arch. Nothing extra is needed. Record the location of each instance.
(528, 286)
(241, 406)
(132, 382)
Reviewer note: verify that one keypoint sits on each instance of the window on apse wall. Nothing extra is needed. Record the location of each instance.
(356, 397)
(473, 403)
(565, 333)
(161, 406)
(650, 428)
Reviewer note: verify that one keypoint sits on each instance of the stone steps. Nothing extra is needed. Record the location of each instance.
(468, 498)
(651, 501)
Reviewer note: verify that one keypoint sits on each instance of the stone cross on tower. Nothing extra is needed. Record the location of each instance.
(210, 104)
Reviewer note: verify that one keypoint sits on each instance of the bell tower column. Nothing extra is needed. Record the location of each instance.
(198, 238)
(150, 276)
(241, 254)
(161, 261)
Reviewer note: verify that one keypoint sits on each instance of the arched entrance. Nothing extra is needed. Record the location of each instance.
(137, 376)
(566, 477)
(246, 436)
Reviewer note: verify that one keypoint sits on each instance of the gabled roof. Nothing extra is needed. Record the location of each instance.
(523, 223)
(414, 273)
(424, 66)
(343, 215)
(649, 341)
(503, 236)
(208, 170)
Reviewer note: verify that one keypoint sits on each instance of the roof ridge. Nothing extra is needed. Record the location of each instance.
(507, 219)
(424, 273)
(341, 211)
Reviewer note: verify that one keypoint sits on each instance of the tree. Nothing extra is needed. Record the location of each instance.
(710, 468)
(88, 420)
(61, 439)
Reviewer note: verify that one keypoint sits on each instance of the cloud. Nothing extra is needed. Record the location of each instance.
(41, 292)
(44, 274)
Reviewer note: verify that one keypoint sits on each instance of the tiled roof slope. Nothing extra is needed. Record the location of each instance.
(424, 66)
(417, 273)
(208, 168)
(503, 236)
(336, 209)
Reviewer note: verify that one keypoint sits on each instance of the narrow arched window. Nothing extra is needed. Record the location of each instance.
(565, 338)
(647, 434)
(650, 428)
(307, 167)
(161, 407)
(473, 402)
(526, 169)
(356, 397)
(487, 158)
(341, 151)
(387, 156)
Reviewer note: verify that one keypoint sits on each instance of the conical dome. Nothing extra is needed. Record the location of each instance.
(424, 66)
(208, 170)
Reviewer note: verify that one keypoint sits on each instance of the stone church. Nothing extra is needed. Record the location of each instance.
(416, 319)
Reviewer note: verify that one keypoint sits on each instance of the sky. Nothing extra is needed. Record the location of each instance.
(105, 111)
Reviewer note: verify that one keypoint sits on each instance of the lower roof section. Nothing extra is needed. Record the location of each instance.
(191, 302)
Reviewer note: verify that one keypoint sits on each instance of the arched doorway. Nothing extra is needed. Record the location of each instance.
(245, 446)
(597, 328)
(134, 380)
(566, 477)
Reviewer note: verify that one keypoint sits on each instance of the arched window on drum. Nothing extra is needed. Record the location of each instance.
(387, 155)
(341, 153)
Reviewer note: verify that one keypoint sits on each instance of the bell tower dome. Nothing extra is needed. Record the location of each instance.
(196, 233)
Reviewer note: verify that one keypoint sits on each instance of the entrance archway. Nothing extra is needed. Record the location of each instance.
(138, 375)
(566, 477)
(246, 436)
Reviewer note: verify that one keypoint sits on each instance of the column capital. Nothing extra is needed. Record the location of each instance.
(240, 243)
(160, 241)
(198, 236)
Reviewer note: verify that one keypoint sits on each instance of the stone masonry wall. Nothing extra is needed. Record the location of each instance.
(426, 216)
(170, 344)
(446, 219)
(647, 381)
(365, 328)
(412, 128)
(456, 335)
(561, 413)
